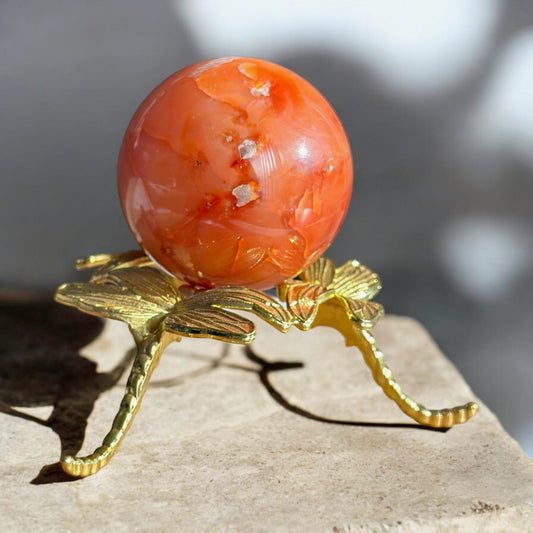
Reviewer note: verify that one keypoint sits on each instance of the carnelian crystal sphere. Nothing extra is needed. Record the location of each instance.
(235, 171)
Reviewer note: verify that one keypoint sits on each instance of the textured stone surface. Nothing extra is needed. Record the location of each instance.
(229, 440)
(235, 171)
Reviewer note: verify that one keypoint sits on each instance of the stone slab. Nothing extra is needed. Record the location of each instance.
(290, 435)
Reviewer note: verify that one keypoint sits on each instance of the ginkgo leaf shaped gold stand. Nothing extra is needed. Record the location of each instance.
(159, 309)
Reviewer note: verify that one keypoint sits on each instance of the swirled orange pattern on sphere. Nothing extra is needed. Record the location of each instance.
(235, 171)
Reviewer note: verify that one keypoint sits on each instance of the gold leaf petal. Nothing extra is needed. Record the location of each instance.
(356, 281)
(109, 301)
(366, 314)
(210, 322)
(252, 300)
(107, 262)
(148, 283)
(303, 301)
(320, 272)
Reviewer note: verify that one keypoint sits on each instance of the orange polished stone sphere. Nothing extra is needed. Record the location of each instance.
(235, 171)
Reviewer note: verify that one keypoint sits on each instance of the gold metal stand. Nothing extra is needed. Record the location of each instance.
(160, 309)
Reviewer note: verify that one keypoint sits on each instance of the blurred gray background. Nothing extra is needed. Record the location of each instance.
(437, 101)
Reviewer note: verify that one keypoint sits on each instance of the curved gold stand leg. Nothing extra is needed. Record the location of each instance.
(148, 355)
(332, 315)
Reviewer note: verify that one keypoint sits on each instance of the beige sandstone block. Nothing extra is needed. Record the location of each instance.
(289, 435)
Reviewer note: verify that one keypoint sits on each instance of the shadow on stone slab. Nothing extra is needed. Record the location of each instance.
(52, 474)
(267, 367)
(40, 365)
(264, 371)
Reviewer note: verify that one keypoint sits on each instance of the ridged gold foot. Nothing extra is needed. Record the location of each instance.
(160, 309)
